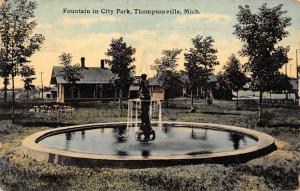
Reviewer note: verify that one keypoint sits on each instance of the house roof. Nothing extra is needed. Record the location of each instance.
(154, 81)
(90, 75)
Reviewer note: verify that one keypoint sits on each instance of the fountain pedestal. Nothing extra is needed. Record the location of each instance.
(145, 132)
(147, 107)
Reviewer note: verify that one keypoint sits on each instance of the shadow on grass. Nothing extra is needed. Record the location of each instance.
(26, 120)
(18, 116)
(42, 124)
(287, 125)
(218, 113)
(271, 120)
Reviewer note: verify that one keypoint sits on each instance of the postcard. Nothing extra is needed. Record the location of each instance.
(149, 95)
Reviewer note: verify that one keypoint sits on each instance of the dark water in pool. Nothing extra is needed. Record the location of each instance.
(169, 141)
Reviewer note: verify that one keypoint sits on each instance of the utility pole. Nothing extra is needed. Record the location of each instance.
(42, 86)
(286, 73)
(297, 70)
(297, 75)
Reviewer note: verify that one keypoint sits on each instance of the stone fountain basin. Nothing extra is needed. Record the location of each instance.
(30, 147)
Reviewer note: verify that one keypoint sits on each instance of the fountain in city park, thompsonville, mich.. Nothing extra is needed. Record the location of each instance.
(146, 141)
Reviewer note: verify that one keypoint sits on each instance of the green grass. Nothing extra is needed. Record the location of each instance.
(277, 171)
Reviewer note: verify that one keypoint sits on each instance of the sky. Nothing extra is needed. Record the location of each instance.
(89, 35)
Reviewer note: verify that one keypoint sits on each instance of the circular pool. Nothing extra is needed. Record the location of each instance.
(176, 143)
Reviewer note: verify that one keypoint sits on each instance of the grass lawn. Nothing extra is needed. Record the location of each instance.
(276, 171)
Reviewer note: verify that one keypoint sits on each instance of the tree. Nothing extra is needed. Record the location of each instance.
(235, 76)
(28, 73)
(199, 62)
(222, 89)
(281, 83)
(70, 73)
(193, 72)
(18, 43)
(121, 65)
(166, 72)
(260, 34)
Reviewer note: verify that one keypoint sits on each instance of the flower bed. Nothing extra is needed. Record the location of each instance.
(52, 109)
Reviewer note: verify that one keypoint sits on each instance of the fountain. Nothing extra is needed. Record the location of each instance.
(148, 108)
(147, 141)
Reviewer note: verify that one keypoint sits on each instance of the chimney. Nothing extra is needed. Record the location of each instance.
(82, 62)
(102, 64)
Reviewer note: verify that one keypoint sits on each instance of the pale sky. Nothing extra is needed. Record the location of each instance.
(89, 35)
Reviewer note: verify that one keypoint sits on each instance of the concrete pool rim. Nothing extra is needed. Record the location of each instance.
(30, 147)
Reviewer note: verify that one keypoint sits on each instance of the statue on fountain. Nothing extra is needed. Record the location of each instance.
(145, 133)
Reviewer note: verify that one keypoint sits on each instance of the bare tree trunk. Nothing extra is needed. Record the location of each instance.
(260, 109)
(13, 98)
(5, 89)
(120, 102)
(205, 93)
(115, 96)
(192, 95)
(237, 100)
(73, 92)
(205, 85)
(27, 98)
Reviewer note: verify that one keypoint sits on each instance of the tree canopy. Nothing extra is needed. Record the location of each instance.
(260, 34)
(200, 60)
(70, 73)
(121, 62)
(166, 72)
(18, 43)
(234, 74)
(28, 74)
